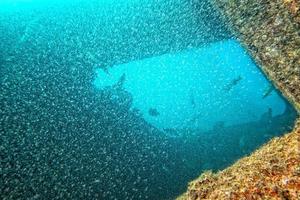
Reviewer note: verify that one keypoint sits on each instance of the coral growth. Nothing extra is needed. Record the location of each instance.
(270, 32)
(272, 172)
(294, 7)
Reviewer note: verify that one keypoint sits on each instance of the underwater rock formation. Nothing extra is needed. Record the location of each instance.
(272, 172)
(61, 138)
(270, 32)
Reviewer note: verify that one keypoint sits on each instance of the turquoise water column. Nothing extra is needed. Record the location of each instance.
(197, 87)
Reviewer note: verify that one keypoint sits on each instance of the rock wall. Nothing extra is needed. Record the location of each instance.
(269, 30)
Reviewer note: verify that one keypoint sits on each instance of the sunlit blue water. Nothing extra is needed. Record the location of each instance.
(132, 99)
(189, 88)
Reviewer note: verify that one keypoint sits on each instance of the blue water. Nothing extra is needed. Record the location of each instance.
(200, 100)
(125, 99)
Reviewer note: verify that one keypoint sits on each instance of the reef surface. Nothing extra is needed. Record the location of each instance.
(271, 172)
(269, 30)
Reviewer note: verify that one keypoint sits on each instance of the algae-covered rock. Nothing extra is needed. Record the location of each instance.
(270, 32)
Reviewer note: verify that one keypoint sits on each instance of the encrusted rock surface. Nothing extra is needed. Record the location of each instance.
(270, 31)
(272, 172)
